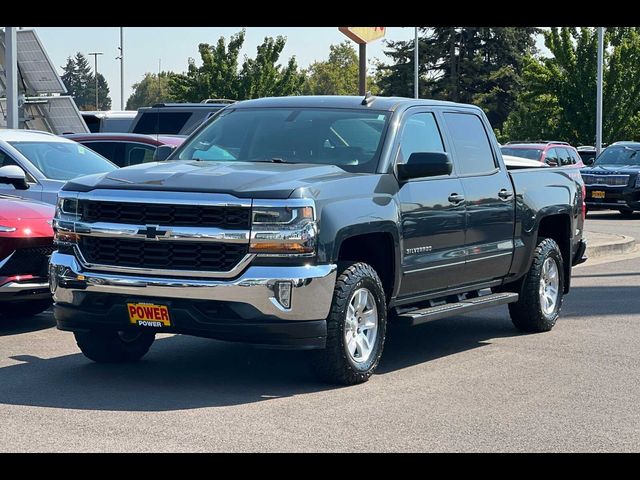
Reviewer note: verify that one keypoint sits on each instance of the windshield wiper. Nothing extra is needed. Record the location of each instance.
(268, 160)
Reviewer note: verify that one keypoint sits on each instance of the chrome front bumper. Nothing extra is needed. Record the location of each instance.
(311, 292)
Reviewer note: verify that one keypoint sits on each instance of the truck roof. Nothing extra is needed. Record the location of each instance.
(344, 101)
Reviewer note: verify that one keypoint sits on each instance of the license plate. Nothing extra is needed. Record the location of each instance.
(597, 194)
(149, 315)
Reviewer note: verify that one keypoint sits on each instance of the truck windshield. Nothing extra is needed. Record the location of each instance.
(350, 139)
(619, 156)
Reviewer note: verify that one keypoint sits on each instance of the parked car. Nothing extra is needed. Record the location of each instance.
(126, 149)
(47, 161)
(553, 153)
(109, 121)
(175, 118)
(613, 181)
(588, 154)
(514, 163)
(26, 242)
(309, 222)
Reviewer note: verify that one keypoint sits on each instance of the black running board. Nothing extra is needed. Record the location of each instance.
(416, 317)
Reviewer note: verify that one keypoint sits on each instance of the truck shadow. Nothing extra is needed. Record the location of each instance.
(185, 373)
(16, 326)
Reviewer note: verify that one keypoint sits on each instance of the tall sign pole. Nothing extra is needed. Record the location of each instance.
(95, 73)
(12, 76)
(362, 36)
(599, 91)
(416, 85)
(121, 68)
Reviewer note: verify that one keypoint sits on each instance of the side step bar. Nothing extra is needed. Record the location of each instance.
(416, 317)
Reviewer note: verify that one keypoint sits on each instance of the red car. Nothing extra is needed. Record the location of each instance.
(126, 149)
(26, 242)
(553, 153)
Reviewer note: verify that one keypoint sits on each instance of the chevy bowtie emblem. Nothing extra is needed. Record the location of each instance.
(153, 232)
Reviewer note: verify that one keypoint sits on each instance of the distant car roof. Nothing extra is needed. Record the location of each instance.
(11, 135)
(111, 113)
(131, 137)
(625, 143)
(190, 106)
(513, 161)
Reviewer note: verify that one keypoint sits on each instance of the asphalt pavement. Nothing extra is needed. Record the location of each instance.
(469, 383)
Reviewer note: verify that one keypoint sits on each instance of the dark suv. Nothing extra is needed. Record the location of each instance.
(553, 153)
(175, 118)
(613, 182)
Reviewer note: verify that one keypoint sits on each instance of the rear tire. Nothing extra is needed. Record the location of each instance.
(24, 309)
(541, 293)
(356, 328)
(114, 346)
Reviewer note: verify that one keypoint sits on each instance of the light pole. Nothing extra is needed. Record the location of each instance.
(11, 68)
(415, 65)
(121, 58)
(599, 91)
(95, 73)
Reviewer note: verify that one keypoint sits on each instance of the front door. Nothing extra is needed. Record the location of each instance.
(34, 191)
(432, 215)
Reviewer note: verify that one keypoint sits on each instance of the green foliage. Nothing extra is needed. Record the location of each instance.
(219, 76)
(559, 100)
(479, 65)
(152, 89)
(336, 76)
(81, 84)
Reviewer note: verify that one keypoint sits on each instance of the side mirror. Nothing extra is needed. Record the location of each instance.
(589, 161)
(14, 175)
(425, 164)
(163, 152)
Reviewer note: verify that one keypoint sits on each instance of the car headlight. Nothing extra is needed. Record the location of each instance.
(638, 181)
(64, 220)
(286, 227)
(4, 229)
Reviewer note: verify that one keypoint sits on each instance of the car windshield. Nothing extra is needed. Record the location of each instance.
(62, 160)
(621, 155)
(350, 139)
(530, 153)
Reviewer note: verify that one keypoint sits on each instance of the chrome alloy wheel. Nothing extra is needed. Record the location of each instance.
(361, 325)
(549, 286)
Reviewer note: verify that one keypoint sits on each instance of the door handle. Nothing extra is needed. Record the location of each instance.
(456, 198)
(505, 194)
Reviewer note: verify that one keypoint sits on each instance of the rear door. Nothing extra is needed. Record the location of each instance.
(489, 197)
(432, 219)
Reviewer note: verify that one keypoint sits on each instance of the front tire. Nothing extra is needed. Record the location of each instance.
(356, 328)
(114, 346)
(541, 294)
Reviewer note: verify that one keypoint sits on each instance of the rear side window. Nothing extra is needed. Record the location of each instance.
(162, 123)
(420, 134)
(135, 153)
(565, 157)
(552, 158)
(472, 147)
(106, 149)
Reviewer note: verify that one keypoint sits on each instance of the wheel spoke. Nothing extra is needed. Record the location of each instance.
(351, 346)
(369, 318)
(362, 299)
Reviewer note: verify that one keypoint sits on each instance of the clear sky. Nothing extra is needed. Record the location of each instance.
(145, 47)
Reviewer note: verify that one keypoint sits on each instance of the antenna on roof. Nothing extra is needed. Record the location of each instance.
(368, 98)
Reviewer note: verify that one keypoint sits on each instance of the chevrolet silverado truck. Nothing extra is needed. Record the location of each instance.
(312, 222)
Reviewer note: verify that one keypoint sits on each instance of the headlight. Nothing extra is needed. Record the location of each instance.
(67, 206)
(4, 229)
(638, 181)
(65, 218)
(285, 227)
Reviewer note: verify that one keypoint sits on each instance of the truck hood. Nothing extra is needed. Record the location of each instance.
(612, 170)
(241, 179)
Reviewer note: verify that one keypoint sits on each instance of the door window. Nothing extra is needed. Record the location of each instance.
(473, 150)
(420, 134)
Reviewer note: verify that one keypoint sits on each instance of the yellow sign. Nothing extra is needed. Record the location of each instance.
(363, 34)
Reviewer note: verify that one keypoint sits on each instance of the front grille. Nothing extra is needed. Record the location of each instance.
(190, 256)
(28, 261)
(230, 218)
(608, 180)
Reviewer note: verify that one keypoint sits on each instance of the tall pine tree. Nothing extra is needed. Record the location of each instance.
(80, 83)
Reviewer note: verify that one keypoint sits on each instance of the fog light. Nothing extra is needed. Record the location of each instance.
(283, 293)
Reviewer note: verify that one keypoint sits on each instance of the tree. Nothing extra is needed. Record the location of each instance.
(559, 96)
(152, 89)
(480, 65)
(220, 77)
(336, 76)
(80, 83)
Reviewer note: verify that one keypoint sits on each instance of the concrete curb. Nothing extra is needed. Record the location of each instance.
(604, 244)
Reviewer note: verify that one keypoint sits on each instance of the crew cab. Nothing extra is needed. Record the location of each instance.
(613, 181)
(312, 222)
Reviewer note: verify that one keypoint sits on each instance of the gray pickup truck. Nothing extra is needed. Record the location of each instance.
(313, 222)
